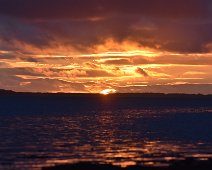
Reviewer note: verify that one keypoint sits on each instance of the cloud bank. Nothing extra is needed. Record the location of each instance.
(97, 44)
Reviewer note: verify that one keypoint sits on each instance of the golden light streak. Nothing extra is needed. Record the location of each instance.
(4, 52)
(123, 54)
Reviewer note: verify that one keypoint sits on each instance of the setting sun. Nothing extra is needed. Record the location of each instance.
(108, 91)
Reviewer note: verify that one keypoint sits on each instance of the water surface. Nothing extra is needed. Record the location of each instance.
(39, 131)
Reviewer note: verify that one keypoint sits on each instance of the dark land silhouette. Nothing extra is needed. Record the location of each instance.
(188, 164)
(15, 101)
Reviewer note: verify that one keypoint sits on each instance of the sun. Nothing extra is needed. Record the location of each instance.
(108, 91)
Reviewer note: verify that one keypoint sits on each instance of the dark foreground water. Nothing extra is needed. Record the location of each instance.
(44, 130)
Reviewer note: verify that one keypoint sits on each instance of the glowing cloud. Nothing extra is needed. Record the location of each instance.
(78, 46)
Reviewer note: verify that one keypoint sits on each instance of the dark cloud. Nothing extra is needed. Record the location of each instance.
(7, 56)
(142, 72)
(50, 9)
(118, 62)
(4, 65)
(91, 8)
(174, 59)
(53, 85)
(76, 73)
(9, 82)
(43, 32)
(18, 56)
(13, 30)
(19, 71)
(91, 65)
(31, 59)
(167, 25)
(15, 83)
(183, 88)
(98, 73)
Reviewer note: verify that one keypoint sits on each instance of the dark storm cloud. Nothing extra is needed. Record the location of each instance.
(173, 25)
(91, 8)
(13, 29)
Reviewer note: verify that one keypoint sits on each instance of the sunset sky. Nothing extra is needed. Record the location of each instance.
(86, 46)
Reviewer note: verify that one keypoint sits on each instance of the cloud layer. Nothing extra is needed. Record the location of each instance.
(86, 46)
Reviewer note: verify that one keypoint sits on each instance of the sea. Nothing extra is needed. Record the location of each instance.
(43, 130)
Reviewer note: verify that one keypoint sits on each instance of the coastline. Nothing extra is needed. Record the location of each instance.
(189, 163)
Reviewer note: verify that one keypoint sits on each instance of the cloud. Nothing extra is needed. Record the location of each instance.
(92, 8)
(117, 62)
(13, 30)
(39, 85)
(98, 73)
(182, 88)
(4, 65)
(109, 40)
(53, 85)
(19, 71)
(180, 59)
(171, 25)
(142, 72)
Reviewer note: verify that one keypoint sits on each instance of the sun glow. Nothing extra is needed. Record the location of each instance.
(111, 48)
(108, 91)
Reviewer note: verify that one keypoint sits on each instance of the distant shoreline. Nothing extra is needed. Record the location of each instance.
(2, 91)
(27, 102)
(189, 163)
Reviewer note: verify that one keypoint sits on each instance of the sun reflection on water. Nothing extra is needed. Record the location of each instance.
(122, 138)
